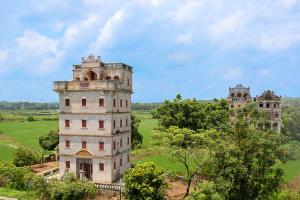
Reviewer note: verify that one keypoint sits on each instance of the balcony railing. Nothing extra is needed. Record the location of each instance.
(83, 85)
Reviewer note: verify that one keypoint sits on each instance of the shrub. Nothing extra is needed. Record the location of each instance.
(30, 118)
(24, 157)
(49, 141)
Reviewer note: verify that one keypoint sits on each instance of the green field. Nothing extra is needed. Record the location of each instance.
(18, 133)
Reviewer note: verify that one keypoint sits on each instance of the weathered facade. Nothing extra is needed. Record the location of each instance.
(238, 96)
(268, 101)
(271, 103)
(94, 120)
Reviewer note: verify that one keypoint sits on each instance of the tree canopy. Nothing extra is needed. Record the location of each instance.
(49, 141)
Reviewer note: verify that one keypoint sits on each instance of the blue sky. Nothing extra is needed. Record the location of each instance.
(194, 47)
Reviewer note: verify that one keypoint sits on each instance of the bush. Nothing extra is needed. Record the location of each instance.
(30, 118)
(24, 157)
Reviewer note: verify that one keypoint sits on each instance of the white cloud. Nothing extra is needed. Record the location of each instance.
(288, 3)
(278, 41)
(109, 29)
(185, 38)
(3, 55)
(232, 74)
(37, 44)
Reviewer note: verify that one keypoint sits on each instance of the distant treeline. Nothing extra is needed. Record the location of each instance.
(5, 105)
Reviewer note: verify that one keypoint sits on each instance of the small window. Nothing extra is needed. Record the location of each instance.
(83, 144)
(114, 145)
(231, 106)
(83, 102)
(101, 102)
(261, 105)
(121, 142)
(83, 123)
(115, 165)
(126, 102)
(121, 123)
(128, 83)
(67, 143)
(128, 158)
(67, 102)
(115, 102)
(126, 122)
(68, 164)
(121, 163)
(101, 124)
(101, 145)
(101, 166)
(67, 123)
(128, 140)
(114, 123)
(121, 103)
(268, 105)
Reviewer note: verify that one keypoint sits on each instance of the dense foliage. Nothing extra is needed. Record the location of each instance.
(291, 122)
(25, 157)
(192, 114)
(5, 105)
(144, 106)
(136, 136)
(49, 141)
(145, 182)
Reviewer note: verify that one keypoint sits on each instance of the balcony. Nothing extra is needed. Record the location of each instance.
(88, 85)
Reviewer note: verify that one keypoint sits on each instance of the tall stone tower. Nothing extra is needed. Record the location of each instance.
(94, 120)
(271, 103)
(238, 96)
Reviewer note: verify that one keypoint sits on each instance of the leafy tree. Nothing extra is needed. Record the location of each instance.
(192, 114)
(136, 136)
(1, 118)
(24, 157)
(145, 182)
(186, 148)
(244, 158)
(49, 141)
(291, 123)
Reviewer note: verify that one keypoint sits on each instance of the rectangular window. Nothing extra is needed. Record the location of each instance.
(68, 164)
(121, 123)
(121, 162)
(128, 158)
(101, 166)
(83, 144)
(83, 123)
(121, 103)
(83, 102)
(126, 122)
(126, 102)
(115, 165)
(115, 103)
(114, 145)
(67, 102)
(101, 123)
(128, 83)
(101, 145)
(121, 142)
(114, 123)
(128, 140)
(101, 102)
(67, 123)
(67, 143)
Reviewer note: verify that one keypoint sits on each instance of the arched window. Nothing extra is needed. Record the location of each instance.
(108, 78)
(116, 77)
(77, 79)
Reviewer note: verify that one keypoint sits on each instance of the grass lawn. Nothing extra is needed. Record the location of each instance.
(6, 192)
(292, 168)
(7, 152)
(27, 133)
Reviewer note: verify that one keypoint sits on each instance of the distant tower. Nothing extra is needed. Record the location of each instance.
(238, 96)
(94, 120)
(271, 103)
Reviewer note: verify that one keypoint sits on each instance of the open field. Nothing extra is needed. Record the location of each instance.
(17, 133)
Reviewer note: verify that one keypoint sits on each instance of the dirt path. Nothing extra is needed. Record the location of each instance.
(293, 185)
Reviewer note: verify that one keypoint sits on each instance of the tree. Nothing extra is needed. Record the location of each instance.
(244, 158)
(192, 114)
(24, 157)
(49, 141)
(145, 182)
(30, 118)
(136, 136)
(206, 190)
(186, 148)
(291, 123)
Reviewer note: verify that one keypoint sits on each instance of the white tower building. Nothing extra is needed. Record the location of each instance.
(94, 120)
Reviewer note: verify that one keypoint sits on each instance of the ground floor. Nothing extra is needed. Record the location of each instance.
(96, 169)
